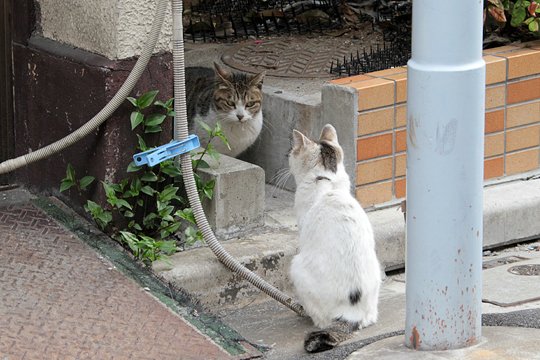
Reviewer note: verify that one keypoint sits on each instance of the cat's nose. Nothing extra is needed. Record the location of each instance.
(240, 117)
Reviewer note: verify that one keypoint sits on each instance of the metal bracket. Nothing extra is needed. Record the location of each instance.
(164, 152)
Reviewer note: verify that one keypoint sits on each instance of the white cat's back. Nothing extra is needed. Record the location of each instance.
(336, 257)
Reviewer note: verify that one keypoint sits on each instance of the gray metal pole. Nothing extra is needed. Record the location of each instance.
(445, 145)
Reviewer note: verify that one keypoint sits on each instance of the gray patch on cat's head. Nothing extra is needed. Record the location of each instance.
(328, 156)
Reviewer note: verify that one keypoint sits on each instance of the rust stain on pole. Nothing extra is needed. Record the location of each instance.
(415, 339)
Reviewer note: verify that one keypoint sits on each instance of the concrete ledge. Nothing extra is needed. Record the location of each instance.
(238, 201)
(200, 273)
(511, 213)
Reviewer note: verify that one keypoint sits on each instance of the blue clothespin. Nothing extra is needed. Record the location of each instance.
(161, 153)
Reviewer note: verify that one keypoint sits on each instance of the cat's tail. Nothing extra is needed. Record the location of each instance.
(329, 338)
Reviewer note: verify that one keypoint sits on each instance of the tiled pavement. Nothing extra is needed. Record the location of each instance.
(61, 299)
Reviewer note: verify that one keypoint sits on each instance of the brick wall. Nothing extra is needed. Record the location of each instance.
(512, 122)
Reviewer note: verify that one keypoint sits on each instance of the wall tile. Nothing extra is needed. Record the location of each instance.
(522, 138)
(493, 168)
(494, 121)
(349, 80)
(369, 195)
(401, 140)
(493, 145)
(401, 115)
(523, 90)
(523, 114)
(495, 69)
(522, 62)
(374, 170)
(389, 72)
(374, 146)
(495, 96)
(401, 164)
(370, 122)
(400, 188)
(522, 161)
(374, 93)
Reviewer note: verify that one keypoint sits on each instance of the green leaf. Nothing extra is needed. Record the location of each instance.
(136, 119)
(109, 189)
(170, 170)
(132, 100)
(208, 189)
(136, 186)
(186, 214)
(154, 120)
(167, 247)
(70, 173)
(129, 214)
(168, 194)
(86, 181)
(149, 177)
(147, 190)
(66, 184)
(533, 26)
(160, 104)
(171, 113)
(205, 127)
(133, 168)
(152, 129)
(201, 164)
(211, 151)
(147, 99)
(169, 103)
(518, 16)
(123, 203)
(142, 143)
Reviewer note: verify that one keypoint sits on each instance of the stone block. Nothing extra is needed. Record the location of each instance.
(238, 202)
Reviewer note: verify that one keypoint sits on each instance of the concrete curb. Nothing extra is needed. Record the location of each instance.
(511, 213)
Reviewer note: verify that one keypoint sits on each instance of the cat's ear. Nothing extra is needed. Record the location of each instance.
(222, 74)
(257, 80)
(299, 140)
(329, 134)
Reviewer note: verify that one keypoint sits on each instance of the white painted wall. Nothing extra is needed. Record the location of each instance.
(116, 29)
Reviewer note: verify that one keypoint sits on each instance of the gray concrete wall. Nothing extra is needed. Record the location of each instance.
(283, 111)
(340, 108)
(116, 29)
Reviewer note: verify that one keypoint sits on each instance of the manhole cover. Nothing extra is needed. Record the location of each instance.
(287, 58)
(530, 270)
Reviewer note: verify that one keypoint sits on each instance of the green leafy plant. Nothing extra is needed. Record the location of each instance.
(70, 180)
(521, 13)
(146, 211)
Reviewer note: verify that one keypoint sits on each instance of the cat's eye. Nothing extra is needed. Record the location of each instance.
(250, 104)
(231, 103)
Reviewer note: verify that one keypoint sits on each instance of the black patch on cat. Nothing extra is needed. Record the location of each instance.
(329, 156)
(318, 341)
(355, 296)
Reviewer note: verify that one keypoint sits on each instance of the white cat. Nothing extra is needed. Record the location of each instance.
(336, 273)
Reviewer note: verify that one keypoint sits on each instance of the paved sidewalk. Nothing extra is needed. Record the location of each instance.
(59, 298)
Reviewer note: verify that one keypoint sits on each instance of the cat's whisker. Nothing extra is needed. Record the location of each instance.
(279, 173)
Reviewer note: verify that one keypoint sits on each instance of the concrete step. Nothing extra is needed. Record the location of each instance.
(511, 213)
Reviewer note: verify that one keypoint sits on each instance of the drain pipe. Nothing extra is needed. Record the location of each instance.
(181, 133)
(117, 100)
(445, 135)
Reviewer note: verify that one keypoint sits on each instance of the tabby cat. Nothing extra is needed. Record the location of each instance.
(336, 273)
(232, 99)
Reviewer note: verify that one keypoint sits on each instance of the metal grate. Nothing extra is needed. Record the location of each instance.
(236, 19)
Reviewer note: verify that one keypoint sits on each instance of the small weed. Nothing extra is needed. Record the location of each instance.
(146, 211)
